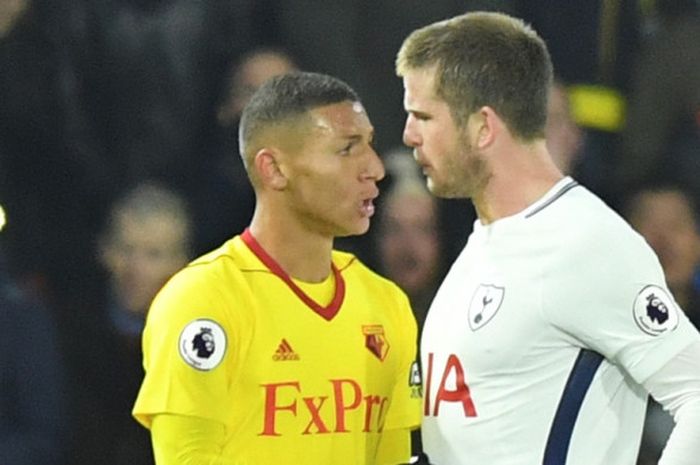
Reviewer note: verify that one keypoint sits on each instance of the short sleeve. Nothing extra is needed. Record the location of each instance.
(617, 303)
(187, 345)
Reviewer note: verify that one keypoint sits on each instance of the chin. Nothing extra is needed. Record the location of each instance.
(438, 191)
(356, 230)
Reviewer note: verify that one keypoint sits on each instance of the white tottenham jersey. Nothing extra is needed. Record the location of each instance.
(538, 339)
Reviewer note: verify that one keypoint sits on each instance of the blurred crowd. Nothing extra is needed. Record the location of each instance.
(119, 163)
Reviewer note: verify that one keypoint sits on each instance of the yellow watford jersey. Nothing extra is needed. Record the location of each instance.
(233, 339)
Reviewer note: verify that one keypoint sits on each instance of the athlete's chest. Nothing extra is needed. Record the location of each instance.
(486, 340)
(308, 374)
(289, 340)
(488, 310)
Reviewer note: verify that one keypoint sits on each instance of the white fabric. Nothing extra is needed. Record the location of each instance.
(677, 388)
(525, 297)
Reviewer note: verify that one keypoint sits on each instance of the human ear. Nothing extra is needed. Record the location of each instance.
(268, 169)
(486, 125)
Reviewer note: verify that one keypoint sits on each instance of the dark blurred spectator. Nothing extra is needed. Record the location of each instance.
(42, 179)
(564, 137)
(593, 45)
(254, 68)
(662, 135)
(32, 407)
(667, 216)
(151, 78)
(224, 201)
(357, 41)
(408, 239)
(97, 95)
(146, 240)
(668, 219)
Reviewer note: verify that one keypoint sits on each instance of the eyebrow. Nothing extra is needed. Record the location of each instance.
(419, 113)
(359, 137)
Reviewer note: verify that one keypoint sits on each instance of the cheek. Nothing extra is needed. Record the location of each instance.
(436, 140)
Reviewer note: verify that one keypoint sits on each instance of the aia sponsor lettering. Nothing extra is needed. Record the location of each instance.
(458, 392)
(334, 411)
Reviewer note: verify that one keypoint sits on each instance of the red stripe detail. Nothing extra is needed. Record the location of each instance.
(327, 312)
(286, 346)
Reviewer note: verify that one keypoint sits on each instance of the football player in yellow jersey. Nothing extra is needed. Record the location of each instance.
(275, 348)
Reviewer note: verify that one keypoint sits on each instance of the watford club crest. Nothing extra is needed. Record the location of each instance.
(375, 340)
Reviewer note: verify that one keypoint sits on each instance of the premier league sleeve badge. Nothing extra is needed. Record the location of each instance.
(202, 344)
(655, 311)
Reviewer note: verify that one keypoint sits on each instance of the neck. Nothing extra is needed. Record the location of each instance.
(520, 176)
(302, 253)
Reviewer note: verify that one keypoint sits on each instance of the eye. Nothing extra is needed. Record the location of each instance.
(347, 149)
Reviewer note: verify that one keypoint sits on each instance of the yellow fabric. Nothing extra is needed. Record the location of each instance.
(180, 440)
(394, 447)
(320, 292)
(597, 107)
(291, 387)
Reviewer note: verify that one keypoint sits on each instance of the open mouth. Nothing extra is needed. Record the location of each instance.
(367, 207)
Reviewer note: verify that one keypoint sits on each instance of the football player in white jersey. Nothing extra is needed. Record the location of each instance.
(555, 323)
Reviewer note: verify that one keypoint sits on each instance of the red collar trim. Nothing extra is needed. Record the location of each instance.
(327, 312)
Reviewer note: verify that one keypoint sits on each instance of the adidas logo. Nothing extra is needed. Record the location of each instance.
(284, 352)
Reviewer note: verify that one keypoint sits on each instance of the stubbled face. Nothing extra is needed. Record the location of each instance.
(443, 151)
(141, 255)
(665, 219)
(409, 242)
(332, 175)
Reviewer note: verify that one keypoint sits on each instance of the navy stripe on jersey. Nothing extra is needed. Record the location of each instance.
(577, 385)
(555, 197)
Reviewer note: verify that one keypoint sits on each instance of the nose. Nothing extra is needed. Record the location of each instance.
(375, 166)
(410, 134)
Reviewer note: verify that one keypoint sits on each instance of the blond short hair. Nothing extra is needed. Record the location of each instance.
(485, 59)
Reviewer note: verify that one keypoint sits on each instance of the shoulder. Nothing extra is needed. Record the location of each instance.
(216, 268)
(590, 231)
(209, 282)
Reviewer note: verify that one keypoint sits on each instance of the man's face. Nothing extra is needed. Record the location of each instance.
(409, 242)
(665, 219)
(442, 149)
(333, 172)
(141, 254)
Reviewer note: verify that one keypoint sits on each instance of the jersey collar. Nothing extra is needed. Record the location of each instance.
(327, 312)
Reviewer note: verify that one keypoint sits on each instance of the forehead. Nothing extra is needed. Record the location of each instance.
(419, 87)
(342, 119)
(155, 229)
